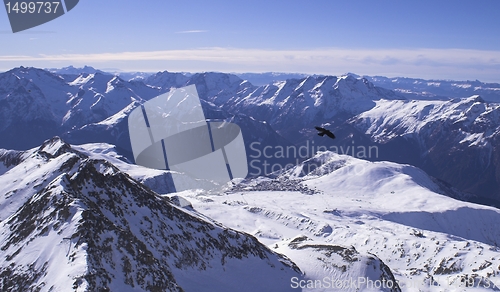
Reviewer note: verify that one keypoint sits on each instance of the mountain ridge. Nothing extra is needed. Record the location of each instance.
(285, 112)
(112, 233)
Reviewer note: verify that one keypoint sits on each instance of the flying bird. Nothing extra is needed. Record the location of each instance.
(323, 131)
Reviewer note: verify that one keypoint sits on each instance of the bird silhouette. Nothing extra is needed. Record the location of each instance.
(323, 131)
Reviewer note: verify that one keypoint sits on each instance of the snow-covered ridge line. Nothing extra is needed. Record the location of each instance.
(65, 211)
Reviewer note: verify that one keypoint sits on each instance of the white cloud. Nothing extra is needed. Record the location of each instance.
(425, 63)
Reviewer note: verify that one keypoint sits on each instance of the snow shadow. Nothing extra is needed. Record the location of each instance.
(465, 223)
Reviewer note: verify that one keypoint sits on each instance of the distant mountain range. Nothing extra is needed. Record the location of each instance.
(438, 89)
(414, 88)
(451, 137)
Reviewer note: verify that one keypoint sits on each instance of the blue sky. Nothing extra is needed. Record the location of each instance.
(428, 39)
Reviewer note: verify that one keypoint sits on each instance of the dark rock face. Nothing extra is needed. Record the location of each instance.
(10, 158)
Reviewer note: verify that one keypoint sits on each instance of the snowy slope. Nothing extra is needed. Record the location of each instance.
(36, 104)
(345, 260)
(330, 267)
(74, 223)
(296, 105)
(72, 72)
(31, 103)
(457, 140)
(454, 140)
(429, 241)
(336, 217)
(220, 88)
(93, 106)
(478, 120)
(48, 89)
(134, 76)
(102, 95)
(167, 80)
(158, 180)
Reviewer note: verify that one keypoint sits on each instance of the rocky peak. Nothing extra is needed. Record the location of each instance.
(111, 233)
(55, 147)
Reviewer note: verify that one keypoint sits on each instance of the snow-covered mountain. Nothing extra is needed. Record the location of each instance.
(412, 88)
(294, 106)
(71, 73)
(335, 215)
(339, 206)
(133, 76)
(36, 104)
(167, 80)
(71, 70)
(70, 222)
(431, 134)
(261, 79)
(93, 107)
(455, 140)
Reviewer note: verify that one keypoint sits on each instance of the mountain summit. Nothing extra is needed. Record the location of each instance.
(71, 222)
